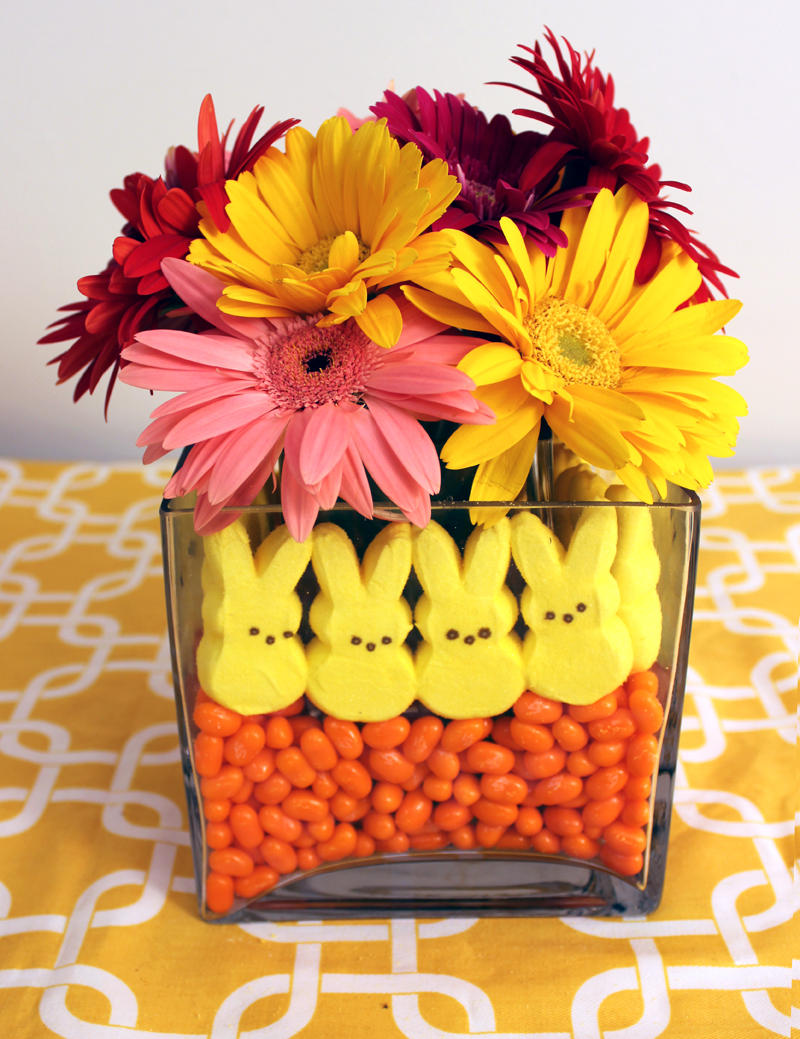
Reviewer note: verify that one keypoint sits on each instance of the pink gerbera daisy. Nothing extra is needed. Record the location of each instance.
(336, 403)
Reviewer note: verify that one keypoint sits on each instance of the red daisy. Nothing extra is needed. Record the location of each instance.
(595, 143)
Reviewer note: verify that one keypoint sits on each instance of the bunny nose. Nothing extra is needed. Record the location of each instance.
(469, 639)
(370, 647)
(568, 618)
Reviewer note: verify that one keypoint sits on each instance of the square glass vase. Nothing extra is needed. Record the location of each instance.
(578, 825)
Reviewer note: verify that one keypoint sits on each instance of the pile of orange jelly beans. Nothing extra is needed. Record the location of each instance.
(289, 791)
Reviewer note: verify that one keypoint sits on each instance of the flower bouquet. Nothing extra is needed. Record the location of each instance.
(444, 395)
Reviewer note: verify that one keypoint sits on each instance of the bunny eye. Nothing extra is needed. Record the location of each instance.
(370, 647)
(255, 631)
(484, 633)
(355, 640)
(550, 616)
(270, 640)
(452, 634)
(568, 618)
(386, 640)
(581, 607)
(288, 634)
(469, 639)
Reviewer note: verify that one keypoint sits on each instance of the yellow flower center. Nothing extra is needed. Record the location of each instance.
(573, 343)
(316, 259)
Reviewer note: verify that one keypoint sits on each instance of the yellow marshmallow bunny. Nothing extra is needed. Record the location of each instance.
(577, 648)
(470, 663)
(359, 667)
(250, 657)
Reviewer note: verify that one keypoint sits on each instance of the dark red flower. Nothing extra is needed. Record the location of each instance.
(132, 295)
(486, 157)
(593, 142)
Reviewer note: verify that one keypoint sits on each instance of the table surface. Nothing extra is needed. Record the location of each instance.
(99, 934)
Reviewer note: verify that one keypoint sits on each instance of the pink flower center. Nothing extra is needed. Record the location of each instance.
(303, 366)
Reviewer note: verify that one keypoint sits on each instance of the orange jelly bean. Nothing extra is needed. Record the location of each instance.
(512, 840)
(531, 707)
(318, 750)
(324, 785)
(224, 783)
(391, 766)
(619, 726)
(601, 813)
(437, 789)
(261, 767)
(443, 763)
(386, 797)
(386, 735)
(307, 858)
(323, 830)
(302, 723)
(490, 757)
(365, 845)
(429, 841)
(277, 823)
(646, 710)
(627, 840)
(501, 733)
(549, 763)
(566, 822)
(219, 892)
(260, 880)
(462, 733)
(636, 813)
(345, 736)
(352, 777)
(414, 812)
(558, 788)
(606, 782)
(495, 814)
(273, 790)
(580, 846)
(279, 854)
(245, 825)
(546, 842)
(399, 843)
(606, 752)
(569, 734)
(642, 755)
(531, 736)
(245, 744)
(487, 835)
(305, 805)
(292, 763)
(638, 788)
(575, 802)
(348, 809)
(215, 719)
(379, 825)
(418, 777)
(507, 789)
(602, 708)
(466, 789)
(305, 840)
(519, 768)
(626, 865)
(464, 764)
(231, 861)
(216, 810)
(643, 680)
(450, 815)
(342, 843)
(244, 792)
(279, 733)
(219, 835)
(594, 832)
(423, 736)
(529, 821)
(580, 764)
(464, 838)
(208, 751)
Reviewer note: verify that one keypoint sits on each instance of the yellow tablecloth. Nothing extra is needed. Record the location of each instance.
(99, 936)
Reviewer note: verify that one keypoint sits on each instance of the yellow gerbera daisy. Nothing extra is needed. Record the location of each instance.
(623, 377)
(325, 225)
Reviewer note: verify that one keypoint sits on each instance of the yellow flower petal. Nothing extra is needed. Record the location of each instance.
(491, 362)
(471, 445)
(381, 320)
(503, 478)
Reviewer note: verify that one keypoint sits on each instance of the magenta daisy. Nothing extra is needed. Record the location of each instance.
(334, 402)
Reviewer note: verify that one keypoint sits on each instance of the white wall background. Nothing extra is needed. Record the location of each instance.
(94, 89)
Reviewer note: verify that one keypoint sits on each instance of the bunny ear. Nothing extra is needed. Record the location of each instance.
(281, 561)
(594, 543)
(437, 561)
(387, 562)
(537, 551)
(486, 558)
(587, 486)
(228, 558)
(335, 563)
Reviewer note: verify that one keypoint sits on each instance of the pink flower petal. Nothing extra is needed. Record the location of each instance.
(327, 490)
(219, 416)
(201, 395)
(153, 452)
(325, 439)
(217, 351)
(387, 470)
(200, 290)
(355, 486)
(243, 454)
(300, 508)
(414, 379)
(447, 349)
(410, 443)
(416, 325)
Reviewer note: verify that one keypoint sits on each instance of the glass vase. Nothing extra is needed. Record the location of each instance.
(426, 872)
